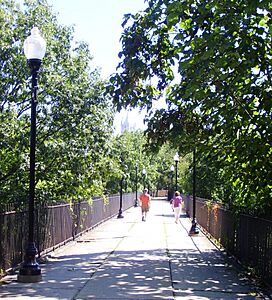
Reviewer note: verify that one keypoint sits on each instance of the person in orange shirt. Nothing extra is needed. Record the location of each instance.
(145, 203)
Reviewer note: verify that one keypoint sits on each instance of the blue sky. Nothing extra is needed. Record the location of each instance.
(98, 22)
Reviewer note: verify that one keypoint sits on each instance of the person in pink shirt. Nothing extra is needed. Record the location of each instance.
(176, 205)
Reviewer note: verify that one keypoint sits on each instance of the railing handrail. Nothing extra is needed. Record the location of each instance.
(55, 225)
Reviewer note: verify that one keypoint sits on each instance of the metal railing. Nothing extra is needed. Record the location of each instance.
(54, 225)
(247, 238)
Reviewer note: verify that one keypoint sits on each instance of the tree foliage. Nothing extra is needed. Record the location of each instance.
(132, 156)
(77, 154)
(211, 62)
(74, 118)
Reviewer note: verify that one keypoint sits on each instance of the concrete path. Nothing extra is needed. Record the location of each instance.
(131, 259)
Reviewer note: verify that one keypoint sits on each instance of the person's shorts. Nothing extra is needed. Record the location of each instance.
(145, 208)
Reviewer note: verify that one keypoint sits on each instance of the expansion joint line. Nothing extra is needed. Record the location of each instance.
(169, 261)
(111, 253)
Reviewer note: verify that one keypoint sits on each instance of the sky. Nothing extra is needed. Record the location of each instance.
(98, 22)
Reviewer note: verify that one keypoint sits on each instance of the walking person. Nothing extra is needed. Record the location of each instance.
(145, 203)
(176, 205)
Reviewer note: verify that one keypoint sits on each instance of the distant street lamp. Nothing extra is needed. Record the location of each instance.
(136, 187)
(144, 177)
(172, 169)
(170, 189)
(194, 229)
(120, 213)
(176, 159)
(34, 49)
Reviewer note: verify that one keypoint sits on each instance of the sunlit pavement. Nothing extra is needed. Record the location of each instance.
(131, 259)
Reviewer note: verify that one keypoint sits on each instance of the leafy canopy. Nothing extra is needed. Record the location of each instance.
(211, 62)
(74, 118)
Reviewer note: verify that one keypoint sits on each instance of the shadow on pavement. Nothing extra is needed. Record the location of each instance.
(142, 274)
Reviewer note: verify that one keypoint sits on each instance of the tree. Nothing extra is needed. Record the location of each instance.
(128, 151)
(74, 118)
(211, 61)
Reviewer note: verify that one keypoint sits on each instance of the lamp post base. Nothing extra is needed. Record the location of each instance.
(136, 203)
(30, 270)
(29, 274)
(120, 216)
(29, 278)
(194, 229)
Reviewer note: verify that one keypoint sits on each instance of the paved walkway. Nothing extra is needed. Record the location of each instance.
(130, 259)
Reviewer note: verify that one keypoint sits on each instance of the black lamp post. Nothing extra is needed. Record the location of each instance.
(144, 177)
(194, 229)
(136, 187)
(172, 169)
(176, 159)
(34, 49)
(120, 213)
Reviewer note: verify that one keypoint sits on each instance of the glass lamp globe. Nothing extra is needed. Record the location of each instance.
(176, 157)
(34, 45)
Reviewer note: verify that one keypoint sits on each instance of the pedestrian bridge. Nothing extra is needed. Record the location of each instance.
(129, 259)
